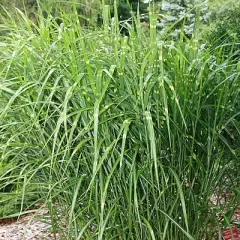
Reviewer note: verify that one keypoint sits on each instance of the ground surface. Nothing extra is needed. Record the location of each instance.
(27, 228)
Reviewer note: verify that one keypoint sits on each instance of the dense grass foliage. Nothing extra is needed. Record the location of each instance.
(124, 137)
(222, 28)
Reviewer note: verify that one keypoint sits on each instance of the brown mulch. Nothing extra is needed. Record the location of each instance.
(222, 200)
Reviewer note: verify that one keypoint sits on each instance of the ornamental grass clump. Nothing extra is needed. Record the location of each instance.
(123, 137)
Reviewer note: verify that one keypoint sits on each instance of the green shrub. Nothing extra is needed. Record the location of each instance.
(223, 28)
(178, 14)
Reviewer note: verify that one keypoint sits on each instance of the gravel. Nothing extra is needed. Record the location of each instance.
(26, 228)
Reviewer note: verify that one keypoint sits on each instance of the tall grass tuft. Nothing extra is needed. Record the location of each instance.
(123, 137)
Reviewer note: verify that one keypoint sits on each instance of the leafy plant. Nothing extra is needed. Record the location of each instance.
(124, 137)
(176, 15)
(223, 29)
